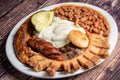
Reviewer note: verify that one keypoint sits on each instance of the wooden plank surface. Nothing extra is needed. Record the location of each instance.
(12, 11)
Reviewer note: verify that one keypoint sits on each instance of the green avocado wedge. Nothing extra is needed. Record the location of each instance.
(42, 19)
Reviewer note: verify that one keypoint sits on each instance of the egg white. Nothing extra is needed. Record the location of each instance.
(57, 33)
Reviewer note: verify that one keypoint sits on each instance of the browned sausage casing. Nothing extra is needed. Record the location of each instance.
(46, 48)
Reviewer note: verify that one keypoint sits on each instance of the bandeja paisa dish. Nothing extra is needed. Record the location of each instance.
(65, 38)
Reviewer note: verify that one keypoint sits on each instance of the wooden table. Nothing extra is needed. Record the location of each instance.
(12, 11)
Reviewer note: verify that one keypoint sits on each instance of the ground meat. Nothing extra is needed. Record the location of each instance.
(70, 51)
(67, 48)
(72, 54)
(91, 20)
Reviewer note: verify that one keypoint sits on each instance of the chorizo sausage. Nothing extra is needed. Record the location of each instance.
(45, 48)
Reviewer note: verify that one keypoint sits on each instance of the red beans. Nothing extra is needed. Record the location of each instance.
(91, 20)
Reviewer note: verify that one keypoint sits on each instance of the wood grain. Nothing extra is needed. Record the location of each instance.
(8, 5)
(12, 11)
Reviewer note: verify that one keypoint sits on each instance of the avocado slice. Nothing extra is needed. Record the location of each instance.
(42, 19)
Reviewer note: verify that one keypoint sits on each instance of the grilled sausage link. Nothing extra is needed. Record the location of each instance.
(46, 48)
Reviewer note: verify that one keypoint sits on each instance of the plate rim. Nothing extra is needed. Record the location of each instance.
(16, 27)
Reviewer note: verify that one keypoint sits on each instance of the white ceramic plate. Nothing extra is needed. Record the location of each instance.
(27, 70)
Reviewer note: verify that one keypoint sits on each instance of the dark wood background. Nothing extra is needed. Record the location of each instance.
(12, 11)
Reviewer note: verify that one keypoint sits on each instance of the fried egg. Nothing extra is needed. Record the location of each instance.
(57, 33)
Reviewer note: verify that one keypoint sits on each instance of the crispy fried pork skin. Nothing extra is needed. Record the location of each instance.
(45, 48)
